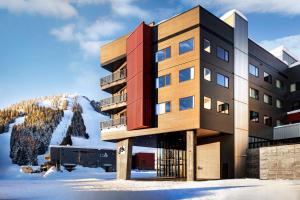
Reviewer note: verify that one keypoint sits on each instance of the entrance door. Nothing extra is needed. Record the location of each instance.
(208, 161)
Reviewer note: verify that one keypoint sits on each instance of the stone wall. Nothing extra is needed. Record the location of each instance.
(278, 162)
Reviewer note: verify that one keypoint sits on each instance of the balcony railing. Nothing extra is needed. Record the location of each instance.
(119, 75)
(113, 100)
(113, 123)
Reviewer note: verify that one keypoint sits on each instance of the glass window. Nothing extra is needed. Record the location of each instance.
(186, 74)
(267, 99)
(279, 103)
(186, 103)
(293, 87)
(163, 54)
(268, 77)
(162, 108)
(207, 74)
(267, 120)
(206, 45)
(253, 93)
(279, 84)
(222, 107)
(163, 81)
(222, 54)
(254, 116)
(186, 46)
(253, 70)
(207, 103)
(222, 80)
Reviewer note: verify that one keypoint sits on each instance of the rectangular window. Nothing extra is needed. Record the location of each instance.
(223, 54)
(267, 99)
(253, 93)
(267, 120)
(207, 74)
(163, 54)
(254, 116)
(186, 74)
(186, 103)
(206, 45)
(293, 87)
(253, 70)
(267, 77)
(162, 108)
(163, 81)
(279, 84)
(279, 103)
(222, 80)
(222, 107)
(186, 46)
(207, 103)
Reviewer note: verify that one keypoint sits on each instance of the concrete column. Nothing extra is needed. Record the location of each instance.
(191, 142)
(124, 157)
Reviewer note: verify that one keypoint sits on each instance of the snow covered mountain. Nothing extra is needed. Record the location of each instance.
(28, 138)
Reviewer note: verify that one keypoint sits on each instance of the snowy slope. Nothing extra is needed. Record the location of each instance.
(5, 162)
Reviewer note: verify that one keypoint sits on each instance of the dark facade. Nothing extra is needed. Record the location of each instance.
(104, 158)
(143, 161)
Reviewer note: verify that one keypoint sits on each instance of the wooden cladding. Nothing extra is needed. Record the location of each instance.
(139, 78)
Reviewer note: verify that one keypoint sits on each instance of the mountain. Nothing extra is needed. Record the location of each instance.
(28, 128)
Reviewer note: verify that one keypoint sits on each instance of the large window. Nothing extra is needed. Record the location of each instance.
(186, 46)
(254, 116)
(279, 84)
(207, 74)
(267, 77)
(163, 81)
(186, 74)
(267, 120)
(253, 93)
(279, 103)
(162, 108)
(223, 54)
(206, 45)
(295, 87)
(222, 80)
(163, 54)
(207, 103)
(222, 107)
(186, 103)
(253, 70)
(268, 99)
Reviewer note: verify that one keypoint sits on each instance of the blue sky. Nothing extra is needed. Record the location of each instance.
(52, 46)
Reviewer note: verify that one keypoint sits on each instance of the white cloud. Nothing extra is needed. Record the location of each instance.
(119, 7)
(54, 8)
(89, 38)
(65, 33)
(291, 42)
(287, 7)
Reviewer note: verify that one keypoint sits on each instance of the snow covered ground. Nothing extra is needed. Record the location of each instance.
(89, 184)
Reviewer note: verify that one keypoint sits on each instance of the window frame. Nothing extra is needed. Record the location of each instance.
(256, 70)
(281, 103)
(255, 119)
(225, 51)
(165, 54)
(255, 91)
(165, 81)
(206, 97)
(225, 77)
(165, 111)
(223, 111)
(270, 79)
(192, 74)
(204, 42)
(210, 74)
(280, 83)
(185, 98)
(268, 123)
(179, 49)
(270, 98)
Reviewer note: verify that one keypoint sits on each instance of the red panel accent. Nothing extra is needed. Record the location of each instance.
(144, 161)
(139, 78)
(295, 117)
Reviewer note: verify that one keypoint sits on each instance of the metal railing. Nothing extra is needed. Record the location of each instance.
(119, 75)
(113, 123)
(113, 100)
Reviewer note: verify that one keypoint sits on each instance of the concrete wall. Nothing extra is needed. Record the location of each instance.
(278, 162)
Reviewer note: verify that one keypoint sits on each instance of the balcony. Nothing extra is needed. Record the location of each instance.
(114, 123)
(113, 104)
(114, 81)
